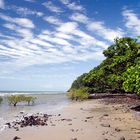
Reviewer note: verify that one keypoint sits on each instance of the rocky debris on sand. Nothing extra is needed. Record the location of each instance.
(89, 117)
(8, 124)
(74, 139)
(105, 125)
(66, 120)
(70, 124)
(117, 129)
(16, 138)
(122, 138)
(106, 115)
(31, 120)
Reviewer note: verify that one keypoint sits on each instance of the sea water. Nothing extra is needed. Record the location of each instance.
(47, 102)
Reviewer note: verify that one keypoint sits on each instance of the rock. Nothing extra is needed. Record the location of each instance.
(122, 138)
(21, 112)
(15, 138)
(66, 120)
(9, 125)
(72, 130)
(117, 129)
(106, 115)
(89, 117)
(74, 139)
(70, 124)
(105, 125)
(45, 116)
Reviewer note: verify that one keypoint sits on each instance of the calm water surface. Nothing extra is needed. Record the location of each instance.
(46, 102)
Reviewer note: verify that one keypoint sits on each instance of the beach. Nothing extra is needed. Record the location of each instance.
(86, 120)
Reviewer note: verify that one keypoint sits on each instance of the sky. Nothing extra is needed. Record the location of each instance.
(46, 44)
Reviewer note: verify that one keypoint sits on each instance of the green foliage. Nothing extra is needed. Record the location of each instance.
(79, 82)
(132, 79)
(14, 99)
(1, 99)
(108, 76)
(78, 94)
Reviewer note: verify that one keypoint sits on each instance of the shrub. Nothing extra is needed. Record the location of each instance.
(29, 99)
(1, 99)
(14, 99)
(78, 94)
(132, 80)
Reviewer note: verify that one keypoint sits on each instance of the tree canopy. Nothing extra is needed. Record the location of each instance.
(119, 72)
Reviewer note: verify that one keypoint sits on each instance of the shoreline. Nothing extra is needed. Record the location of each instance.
(87, 120)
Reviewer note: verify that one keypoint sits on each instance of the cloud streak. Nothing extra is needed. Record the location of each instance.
(50, 6)
(24, 22)
(2, 4)
(132, 21)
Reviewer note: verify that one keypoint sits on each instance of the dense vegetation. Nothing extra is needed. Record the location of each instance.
(78, 94)
(14, 99)
(118, 73)
(1, 99)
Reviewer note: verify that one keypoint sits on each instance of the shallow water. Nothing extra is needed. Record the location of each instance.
(46, 102)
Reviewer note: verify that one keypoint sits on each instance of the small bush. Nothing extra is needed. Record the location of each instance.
(14, 99)
(78, 94)
(1, 99)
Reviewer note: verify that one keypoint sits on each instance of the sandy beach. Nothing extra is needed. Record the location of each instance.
(85, 120)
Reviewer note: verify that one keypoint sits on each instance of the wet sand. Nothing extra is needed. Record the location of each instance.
(87, 120)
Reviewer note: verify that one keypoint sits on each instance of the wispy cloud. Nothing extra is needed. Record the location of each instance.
(2, 5)
(52, 20)
(73, 5)
(107, 33)
(50, 6)
(22, 32)
(24, 22)
(79, 17)
(132, 21)
(23, 11)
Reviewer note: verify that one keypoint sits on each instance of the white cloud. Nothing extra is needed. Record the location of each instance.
(25, 11)
(50, 6)
(53, 20)
(68, 27)
(54, 40)
(107, 33)
(22, 32)
(2, 5)
(79, 17)
(73, 5)
(24, 22)
(132, 21)
(40, 42)
(63, 35)
(77, 35)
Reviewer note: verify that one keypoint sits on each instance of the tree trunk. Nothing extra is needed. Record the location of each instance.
(15, 104)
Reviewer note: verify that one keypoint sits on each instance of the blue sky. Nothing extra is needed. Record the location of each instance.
(46, 44)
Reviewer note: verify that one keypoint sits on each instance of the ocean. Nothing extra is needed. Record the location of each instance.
(47, 102)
